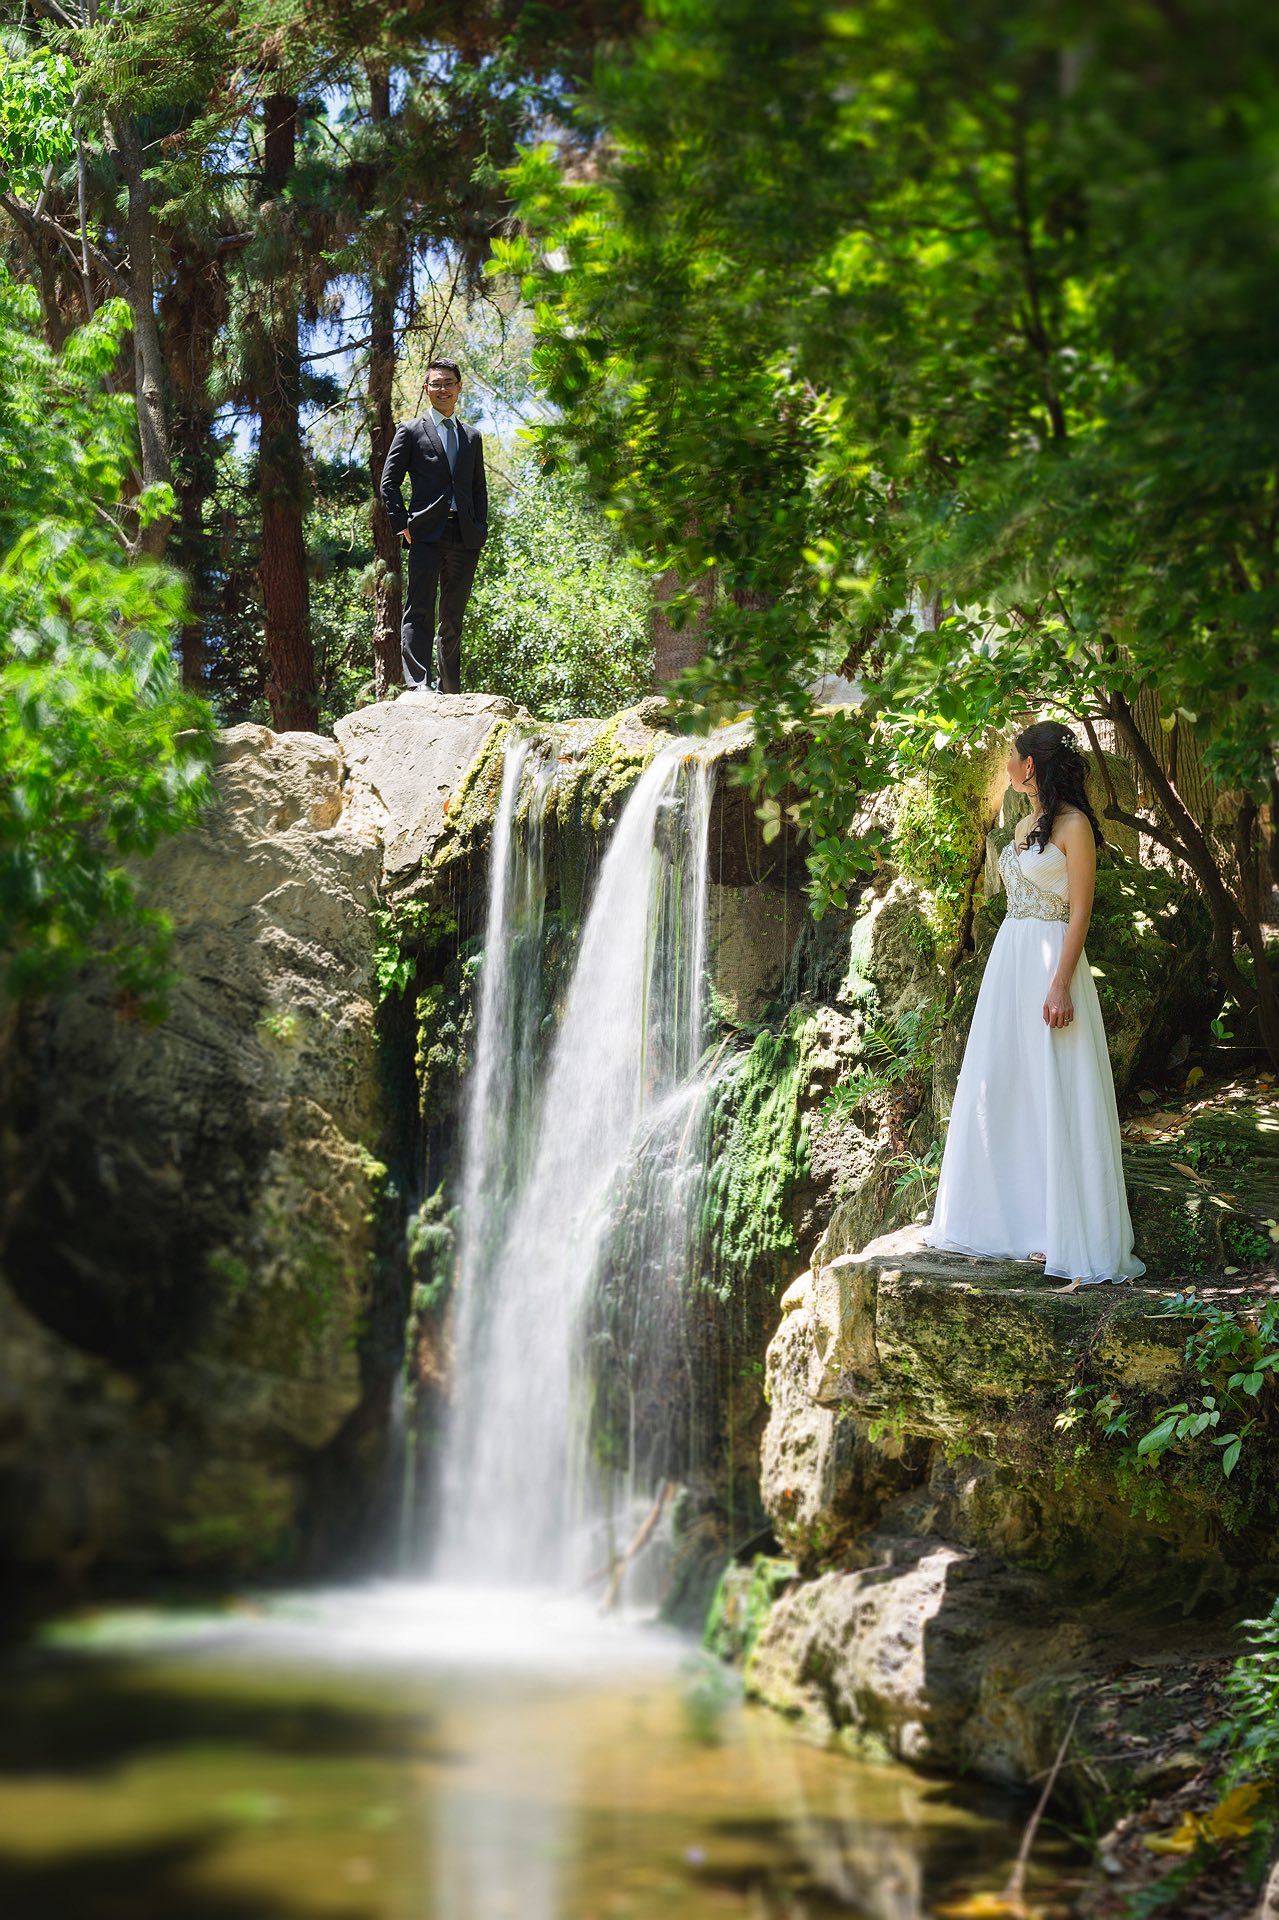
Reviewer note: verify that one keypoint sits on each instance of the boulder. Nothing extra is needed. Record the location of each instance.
(955, 1375)
(929, 1653)
(825, 1473)
(405, 759)
(197, 1288)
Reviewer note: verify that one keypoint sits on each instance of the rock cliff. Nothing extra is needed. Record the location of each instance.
(217, 1228)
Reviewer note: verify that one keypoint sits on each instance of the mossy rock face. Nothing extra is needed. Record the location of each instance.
(741, 1604)
(977, 1358)
(201, 1305)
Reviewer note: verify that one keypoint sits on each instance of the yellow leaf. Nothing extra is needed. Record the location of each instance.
(1233, 1819)
(1193, 1078)
(1184, 1840)
(982, 1906)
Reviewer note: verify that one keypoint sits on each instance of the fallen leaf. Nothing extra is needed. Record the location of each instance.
(982, 1906)
(1193, 1078)
(1231, 1819)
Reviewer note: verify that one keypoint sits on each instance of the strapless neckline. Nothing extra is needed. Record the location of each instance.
(1035, 883)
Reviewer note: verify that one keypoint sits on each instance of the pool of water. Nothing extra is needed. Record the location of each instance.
(409, 1753)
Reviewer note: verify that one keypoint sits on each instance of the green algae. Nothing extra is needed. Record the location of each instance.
(741, 1603)
(756, 1155)
(472, 805)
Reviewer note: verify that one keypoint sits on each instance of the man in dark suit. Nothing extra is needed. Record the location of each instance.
(444, 528)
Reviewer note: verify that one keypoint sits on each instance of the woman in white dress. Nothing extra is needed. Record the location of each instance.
(1032, 1167)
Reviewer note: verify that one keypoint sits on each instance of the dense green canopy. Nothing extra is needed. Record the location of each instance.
(945, 335)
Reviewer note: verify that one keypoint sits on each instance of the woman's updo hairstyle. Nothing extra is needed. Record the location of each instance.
(1061, 774)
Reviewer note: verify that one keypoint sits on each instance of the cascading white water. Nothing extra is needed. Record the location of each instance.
(521, 1501)
(501, 1085)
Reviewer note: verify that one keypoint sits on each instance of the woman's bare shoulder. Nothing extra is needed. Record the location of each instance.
(1073, 829)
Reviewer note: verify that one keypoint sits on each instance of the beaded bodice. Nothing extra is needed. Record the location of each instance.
(1041, 898)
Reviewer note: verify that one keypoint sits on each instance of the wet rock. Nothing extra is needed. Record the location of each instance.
(751, 934)
(928, 1653)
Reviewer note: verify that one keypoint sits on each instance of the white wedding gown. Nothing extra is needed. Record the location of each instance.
(1032, 1161)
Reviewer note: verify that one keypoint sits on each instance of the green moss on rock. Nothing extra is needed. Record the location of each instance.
(756, 1155)
(741, 1604)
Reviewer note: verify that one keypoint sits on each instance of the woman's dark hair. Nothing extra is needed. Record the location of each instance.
(1061, 773)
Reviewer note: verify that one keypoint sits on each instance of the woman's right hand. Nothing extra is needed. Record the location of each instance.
(1059, 1008)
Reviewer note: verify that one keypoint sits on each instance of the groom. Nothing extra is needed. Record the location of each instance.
(444, 528)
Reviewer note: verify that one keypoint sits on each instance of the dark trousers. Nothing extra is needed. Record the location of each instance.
(442, 570)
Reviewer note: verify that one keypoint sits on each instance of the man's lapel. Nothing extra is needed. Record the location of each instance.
(431, 435)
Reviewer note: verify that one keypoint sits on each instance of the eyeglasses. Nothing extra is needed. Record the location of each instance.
(441, 386)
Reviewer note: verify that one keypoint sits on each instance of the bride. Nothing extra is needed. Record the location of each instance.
(1032, 1167)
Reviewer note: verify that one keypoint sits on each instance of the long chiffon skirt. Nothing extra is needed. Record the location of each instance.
(1032, 1161)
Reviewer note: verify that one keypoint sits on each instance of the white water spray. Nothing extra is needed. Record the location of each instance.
(522, 1502)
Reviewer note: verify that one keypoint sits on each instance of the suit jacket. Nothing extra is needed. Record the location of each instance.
(418, 451)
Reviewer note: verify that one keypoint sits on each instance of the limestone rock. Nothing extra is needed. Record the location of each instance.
(930, 1654)
(823, 1480)
(962, 1367)
(943, 1342)
(404, 760)
(892, 958)
(191, 1260)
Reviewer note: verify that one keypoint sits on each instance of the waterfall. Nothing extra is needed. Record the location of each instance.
(501, 1084)
(523, 1502)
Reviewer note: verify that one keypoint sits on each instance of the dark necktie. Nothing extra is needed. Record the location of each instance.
(448, 429)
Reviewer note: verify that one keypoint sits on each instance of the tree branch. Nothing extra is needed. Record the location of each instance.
(31, 222)
(114, 525)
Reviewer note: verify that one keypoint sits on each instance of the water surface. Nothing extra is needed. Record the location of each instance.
(402, 1753)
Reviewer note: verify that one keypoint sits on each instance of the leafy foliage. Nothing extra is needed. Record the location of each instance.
(1250, 1733)
(1239, 1343)
(102, 752)
(36, 91)
(558, 619)
(1233, 1352)
(895, 1051)
(940, 337)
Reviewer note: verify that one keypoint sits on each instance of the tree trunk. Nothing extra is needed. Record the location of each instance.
(387, 278)
(1232, 916)
(192, 311)
(148, 359)
(676, 648)
(290, 684)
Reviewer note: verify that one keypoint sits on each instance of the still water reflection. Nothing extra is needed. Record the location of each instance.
(404, 1753)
